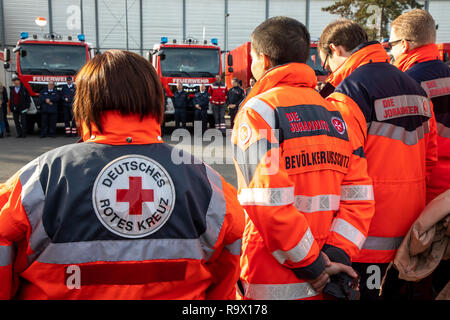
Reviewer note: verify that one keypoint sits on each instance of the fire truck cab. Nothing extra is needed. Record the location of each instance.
(190, 63)
(48, 58)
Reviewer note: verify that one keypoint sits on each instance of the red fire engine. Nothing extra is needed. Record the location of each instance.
(190, 63)
(239, 63)
(48, 58)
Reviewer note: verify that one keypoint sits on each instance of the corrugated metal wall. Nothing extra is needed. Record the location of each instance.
(440, 10)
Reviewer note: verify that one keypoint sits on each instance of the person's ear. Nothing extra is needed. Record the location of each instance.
(266, 61)
(405, 46)
(338, 51)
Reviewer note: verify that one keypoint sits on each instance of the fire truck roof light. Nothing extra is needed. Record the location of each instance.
(81, 37)
(214, 41)
(164, 40)
(23, 35)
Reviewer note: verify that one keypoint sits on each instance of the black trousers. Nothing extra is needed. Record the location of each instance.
(233, 113)
(48, 124)
(180, 116)
(5, 113)
(69, 121)
(202, 115)
(20, 120)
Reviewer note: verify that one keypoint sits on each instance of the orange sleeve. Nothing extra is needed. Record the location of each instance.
(357, 206)
(224, 265)
(267, 193)
(432, 147)
(14, 230)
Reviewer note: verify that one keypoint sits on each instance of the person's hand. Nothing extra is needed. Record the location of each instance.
(336, 267)
(197, 107)
(232, 106)
(47, 100)
(67, 99)
(319, 283)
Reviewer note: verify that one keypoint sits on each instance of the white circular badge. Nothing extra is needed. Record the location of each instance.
(133, 196)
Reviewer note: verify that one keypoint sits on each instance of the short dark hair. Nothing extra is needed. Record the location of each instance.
(117, 80)
(342, 32)
(282, 39)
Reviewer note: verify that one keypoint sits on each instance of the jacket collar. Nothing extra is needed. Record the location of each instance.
(421, 54)
(365, 53)
(120, 130)
(290, 74)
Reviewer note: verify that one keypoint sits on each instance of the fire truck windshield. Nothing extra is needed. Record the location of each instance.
(190, 62)
(315, 62)
(51, 59)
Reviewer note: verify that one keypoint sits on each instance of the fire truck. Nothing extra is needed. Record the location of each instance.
(49, 57)
(239, 63)
(190, 63)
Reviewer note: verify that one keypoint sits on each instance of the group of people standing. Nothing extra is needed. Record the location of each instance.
(329, 183)
(218, 96)
(48, 100)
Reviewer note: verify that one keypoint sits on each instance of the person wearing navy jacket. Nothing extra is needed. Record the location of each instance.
(67, 95)
(48, 100)
(201, 104)
(180, 101)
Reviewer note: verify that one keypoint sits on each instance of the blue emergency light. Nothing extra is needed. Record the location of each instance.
(164, 40)
(23, 35)
(214, 41)
(81, 37)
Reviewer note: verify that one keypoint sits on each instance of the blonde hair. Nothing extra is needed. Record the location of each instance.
(417, 26)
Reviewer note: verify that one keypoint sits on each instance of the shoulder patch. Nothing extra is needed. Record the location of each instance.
(133, 196)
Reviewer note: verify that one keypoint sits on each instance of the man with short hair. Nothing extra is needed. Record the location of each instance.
(234, 98)
(251, 85)
(20, 101)
(68, 94)
(413, 37)
(393, 118)
(218, 93)
(201, 104)
(48, 99)
(298, 170)
(180, 101)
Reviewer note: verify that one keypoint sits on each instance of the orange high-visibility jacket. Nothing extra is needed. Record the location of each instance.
(395, 123)
(423, 65)
(115, 217)
(302, 182)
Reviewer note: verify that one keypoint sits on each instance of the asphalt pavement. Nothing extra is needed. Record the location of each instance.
(17, 152)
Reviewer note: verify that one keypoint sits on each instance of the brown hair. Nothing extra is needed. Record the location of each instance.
(282, 39)
(117, 80)
(417, 26)
(342, 32)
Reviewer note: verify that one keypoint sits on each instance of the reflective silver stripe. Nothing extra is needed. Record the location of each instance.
(263, 109)
(323, 202)
(356, 192)
(266, 196)
(33, 199)
(215, 215)
(121, 250)
(437, 87)
(6, 255)
(402, 106)
(398, 133)
(348, 231)
(235, 247)
(299, 252)
(382, 243)
(287, 291)
(442, 130)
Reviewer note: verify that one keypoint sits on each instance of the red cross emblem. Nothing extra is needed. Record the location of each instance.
(135, 196)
